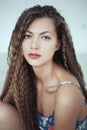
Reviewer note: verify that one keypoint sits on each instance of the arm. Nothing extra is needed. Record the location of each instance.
(68, 107)
(9, 118)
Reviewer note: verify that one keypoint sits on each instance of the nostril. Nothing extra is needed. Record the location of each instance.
(35, 45)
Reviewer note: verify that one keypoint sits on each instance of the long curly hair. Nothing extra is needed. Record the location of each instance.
(20, 85)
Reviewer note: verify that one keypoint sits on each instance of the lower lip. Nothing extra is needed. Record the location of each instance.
(32, 56)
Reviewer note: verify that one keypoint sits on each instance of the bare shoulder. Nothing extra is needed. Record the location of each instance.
(69, 103)
(70, 95)
(9, 118)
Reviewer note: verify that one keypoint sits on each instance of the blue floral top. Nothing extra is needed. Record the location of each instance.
(47, 123)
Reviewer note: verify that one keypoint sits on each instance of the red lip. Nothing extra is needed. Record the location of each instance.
(34, 55)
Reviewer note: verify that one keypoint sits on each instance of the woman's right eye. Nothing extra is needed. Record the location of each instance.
(27, 36)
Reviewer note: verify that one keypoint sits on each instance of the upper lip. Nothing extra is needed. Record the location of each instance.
(34, 54)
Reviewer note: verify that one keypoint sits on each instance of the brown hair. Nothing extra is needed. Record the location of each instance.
(20, 84)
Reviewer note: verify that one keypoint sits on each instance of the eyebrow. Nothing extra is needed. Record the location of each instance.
(41, 32)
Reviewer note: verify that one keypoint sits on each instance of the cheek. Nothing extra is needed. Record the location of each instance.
(24, 49)
(49, 52)
(52, 50)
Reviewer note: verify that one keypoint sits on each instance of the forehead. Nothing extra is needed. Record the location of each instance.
(42, 24)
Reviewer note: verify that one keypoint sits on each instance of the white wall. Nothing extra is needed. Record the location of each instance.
(74, 11)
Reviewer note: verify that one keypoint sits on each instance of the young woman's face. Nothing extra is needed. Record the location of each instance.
(40, 42)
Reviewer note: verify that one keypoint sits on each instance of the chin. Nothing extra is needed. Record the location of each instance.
(35, 64)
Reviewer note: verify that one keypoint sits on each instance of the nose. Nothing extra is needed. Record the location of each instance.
(35, 43)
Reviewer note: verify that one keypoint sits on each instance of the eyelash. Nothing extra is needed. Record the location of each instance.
(45, 38)
(28, 36)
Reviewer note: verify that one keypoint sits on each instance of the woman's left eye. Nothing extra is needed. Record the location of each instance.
(46, 38)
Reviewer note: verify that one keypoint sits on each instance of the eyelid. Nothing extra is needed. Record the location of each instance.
(27, 36)
(46, 37)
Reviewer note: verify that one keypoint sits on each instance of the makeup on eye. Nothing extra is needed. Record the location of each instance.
(27, 36)
(46, 35)
(46, 38)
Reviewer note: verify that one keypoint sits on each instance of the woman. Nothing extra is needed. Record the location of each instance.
(44, 87)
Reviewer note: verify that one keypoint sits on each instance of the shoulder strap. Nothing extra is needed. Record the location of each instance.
(68, 82)
(72, 83)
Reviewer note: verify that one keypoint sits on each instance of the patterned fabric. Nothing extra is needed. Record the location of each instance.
(47, 123)
(82, 125)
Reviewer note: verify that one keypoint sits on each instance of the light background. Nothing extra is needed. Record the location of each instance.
(74, 11)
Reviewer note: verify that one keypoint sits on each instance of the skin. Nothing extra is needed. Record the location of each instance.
(68, 102)
(39, 39)
(9, 118)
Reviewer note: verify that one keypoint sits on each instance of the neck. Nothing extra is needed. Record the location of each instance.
(46, 74)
